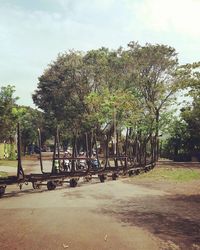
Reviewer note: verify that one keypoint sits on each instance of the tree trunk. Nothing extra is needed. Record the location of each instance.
(157, 136)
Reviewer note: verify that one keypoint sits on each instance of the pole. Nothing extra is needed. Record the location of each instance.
(40, 146)
(20, 172)
(115, 131)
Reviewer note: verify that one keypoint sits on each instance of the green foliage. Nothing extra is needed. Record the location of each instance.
(7, 117)
(61, 90)
(191, 117)
(190, 114)
(83, 91)
(132, 87)
(3, 174)
(11, 114)
(1, 150)
(30, 120)
(105, 105)
(183, 135)
(177, 141)
(153, 72)
(189, 75)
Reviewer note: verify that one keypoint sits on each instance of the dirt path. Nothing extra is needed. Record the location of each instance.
(129, 213)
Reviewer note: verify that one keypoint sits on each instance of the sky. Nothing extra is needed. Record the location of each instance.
(33, 32)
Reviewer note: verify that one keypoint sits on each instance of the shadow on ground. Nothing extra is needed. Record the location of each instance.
(171, 218)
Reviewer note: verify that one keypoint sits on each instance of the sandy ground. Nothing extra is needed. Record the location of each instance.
(129, 213)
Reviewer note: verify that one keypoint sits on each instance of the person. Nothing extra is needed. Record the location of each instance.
(66, 163)
(82, 162)
(94, 162)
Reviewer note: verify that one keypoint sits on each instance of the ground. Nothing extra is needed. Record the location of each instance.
(150, 211)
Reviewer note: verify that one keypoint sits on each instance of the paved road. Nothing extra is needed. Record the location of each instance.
(72, 218)
(127, 214)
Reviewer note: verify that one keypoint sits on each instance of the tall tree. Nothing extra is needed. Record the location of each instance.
(61, 90)
(78, 88)
(152, 75)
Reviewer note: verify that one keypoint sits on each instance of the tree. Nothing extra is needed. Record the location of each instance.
(62, 88)
(102, 107)
(7, 117)
(177, 144)
(30, 120)
(191, 116)
(152, 75)
(105, 69)
(82, 90)
(11, 114)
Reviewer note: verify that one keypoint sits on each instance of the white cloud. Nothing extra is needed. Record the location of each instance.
(180, 16)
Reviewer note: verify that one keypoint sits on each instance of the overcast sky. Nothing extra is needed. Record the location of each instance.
(33, 32)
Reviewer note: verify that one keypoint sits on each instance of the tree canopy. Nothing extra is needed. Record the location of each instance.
(127, 87)
(82, 89)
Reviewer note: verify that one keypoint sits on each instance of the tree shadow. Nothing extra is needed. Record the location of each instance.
(20, 193)
(171, 218)
(195, 198)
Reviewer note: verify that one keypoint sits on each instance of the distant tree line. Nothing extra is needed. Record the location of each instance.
(183, 141)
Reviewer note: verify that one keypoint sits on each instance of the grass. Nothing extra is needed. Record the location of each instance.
(8, 163)
(3, 174)
(1, 150)
(172, 174)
